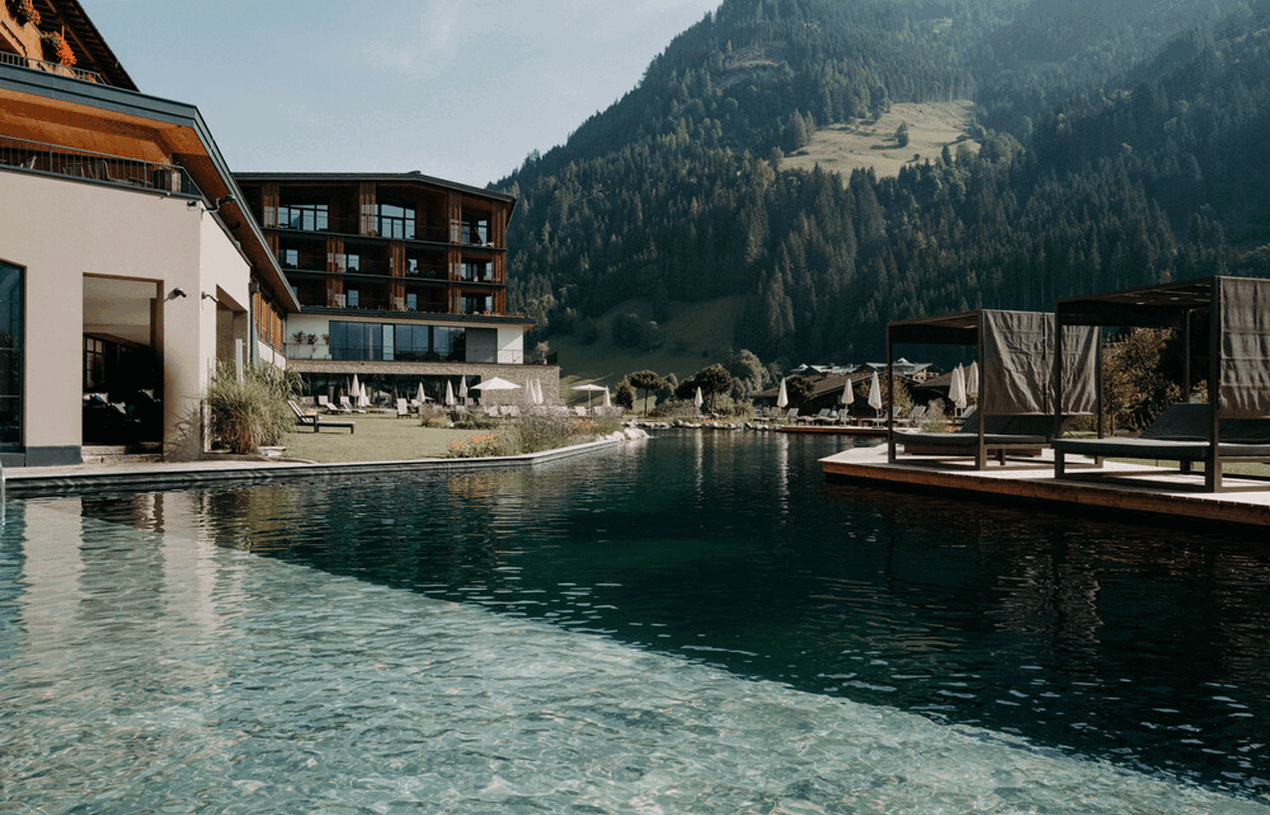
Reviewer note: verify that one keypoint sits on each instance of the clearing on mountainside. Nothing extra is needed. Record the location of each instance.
(842, 148)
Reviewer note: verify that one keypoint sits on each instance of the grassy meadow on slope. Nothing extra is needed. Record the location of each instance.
(859, 144)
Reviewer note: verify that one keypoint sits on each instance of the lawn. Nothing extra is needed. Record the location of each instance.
(378, 437)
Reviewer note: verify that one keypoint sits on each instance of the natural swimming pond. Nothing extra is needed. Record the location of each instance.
(698, 623)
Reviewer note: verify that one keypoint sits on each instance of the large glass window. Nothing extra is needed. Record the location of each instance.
(396, 222)
(397, 341)
(309, 217)
(11, 307)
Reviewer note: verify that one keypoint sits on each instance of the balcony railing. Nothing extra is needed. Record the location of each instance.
(323, 351)
(70, 162)
(355, 227)
(58, 68)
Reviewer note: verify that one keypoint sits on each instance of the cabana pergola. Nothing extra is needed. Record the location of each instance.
(1232, 316)
(1018, 407)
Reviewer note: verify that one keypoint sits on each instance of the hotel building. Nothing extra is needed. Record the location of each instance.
(129, 265)
(401, 279)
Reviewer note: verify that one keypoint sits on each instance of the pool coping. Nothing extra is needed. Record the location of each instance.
(26, 482)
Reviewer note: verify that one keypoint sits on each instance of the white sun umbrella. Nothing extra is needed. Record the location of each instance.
(449, 393)
(496, 383)
(356, 390)
(538, 397)
(782, 398)
(590, 389)
(608, 399)
(972, 379)
(363, 399)
(875, 392)
(422, 397)
(848, 393)
(957, 388)
(463, 389)
(698, 398)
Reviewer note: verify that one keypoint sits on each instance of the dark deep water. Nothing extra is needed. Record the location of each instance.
(1139, 645)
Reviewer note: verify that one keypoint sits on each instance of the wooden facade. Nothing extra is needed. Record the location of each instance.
(386, 242)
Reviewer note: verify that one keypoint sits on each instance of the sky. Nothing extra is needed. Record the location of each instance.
(458, 89)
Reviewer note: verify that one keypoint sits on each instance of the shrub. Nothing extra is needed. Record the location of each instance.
(465, 420)
(534, 433)
(253, 413)
(933, 420)
(675, 409)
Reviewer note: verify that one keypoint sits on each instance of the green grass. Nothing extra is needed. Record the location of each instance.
(695, 336)
(1231, 468)
(379, 437)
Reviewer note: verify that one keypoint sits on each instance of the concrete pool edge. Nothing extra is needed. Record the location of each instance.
(36, 481)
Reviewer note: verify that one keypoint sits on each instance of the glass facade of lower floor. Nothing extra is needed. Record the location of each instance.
(11, 356)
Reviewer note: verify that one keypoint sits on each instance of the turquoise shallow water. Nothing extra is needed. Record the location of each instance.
(663, 629)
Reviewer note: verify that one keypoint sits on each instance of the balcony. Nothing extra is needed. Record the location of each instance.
(324, 222)
(8, 58)
(69, 162)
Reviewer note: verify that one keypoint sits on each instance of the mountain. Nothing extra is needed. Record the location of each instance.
(1119, 144)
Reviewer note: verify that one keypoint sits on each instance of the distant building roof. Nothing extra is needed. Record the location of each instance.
(413, 176)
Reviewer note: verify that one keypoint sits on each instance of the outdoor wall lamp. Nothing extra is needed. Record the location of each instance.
(177, 293)
(209, 296)
(220, 202)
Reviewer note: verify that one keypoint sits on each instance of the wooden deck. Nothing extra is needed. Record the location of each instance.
(1160, 492)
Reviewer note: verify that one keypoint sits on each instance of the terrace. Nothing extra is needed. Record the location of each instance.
(86, 165)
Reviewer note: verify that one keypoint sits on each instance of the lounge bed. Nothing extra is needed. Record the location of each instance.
(1019, 435)
(1181, 435)
(1017, 395)
(1234, 423)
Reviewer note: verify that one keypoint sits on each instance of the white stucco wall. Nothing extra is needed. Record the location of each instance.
(511, 344)
(60, 230)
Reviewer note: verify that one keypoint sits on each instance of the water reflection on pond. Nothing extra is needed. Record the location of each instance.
(1142, 645)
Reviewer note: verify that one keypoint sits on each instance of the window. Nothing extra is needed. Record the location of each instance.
(351, 298)
(475, 304)
(397, 342)
(94, 364)
(475, 230)
(12, 302)
(396, 222)
(474, 270)
(412, 301)
(289, 258)
(308, 217)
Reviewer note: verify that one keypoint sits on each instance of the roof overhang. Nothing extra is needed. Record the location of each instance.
(411, 178)
(1147, 307)
(58, 110)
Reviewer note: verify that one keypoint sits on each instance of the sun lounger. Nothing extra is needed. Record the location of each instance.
(1182, 434)
(403, 409)
(1022, 435)
(315, 421)
(347, 406)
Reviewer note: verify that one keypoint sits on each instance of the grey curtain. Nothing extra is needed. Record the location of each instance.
(1017, 361)
(1244, 380)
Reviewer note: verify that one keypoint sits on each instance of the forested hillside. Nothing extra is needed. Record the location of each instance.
(1122, 144)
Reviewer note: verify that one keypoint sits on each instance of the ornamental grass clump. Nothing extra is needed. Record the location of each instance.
(533, 434)
(252, 413)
